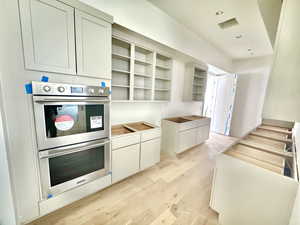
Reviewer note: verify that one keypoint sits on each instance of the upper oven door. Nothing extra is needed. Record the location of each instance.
(63, 121)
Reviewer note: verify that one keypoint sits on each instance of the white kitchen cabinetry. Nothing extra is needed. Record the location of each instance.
(182, 133)
(195, 82)
(65, 38)
(150, 153)
(135, 147)
(187, 139)
(125, 162)
(93, 46)
(258, 177)
(48, 36)
(139, 73)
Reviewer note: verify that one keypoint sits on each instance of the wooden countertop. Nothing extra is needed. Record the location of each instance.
(128, 128)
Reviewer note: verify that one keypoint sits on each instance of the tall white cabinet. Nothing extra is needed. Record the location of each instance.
(93, 45)
(48, 36)
(60, 38)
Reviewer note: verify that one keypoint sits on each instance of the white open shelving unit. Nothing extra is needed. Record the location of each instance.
(195, 82)
(139, 73)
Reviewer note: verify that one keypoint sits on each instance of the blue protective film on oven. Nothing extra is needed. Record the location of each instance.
(103, 84)
(28, 88)
(44, 79)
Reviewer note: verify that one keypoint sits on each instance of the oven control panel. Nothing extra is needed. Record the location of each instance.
(45, 88)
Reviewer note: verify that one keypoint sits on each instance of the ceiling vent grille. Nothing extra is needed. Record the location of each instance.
(228, 23)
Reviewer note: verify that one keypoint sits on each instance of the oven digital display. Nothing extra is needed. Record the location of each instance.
(76, 90)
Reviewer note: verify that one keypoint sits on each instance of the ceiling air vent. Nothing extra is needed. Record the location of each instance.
(228, 23)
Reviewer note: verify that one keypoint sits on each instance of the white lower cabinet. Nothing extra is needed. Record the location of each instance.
(187, 139)
(182, 133)
(125, 162)
(150, 153)
(202, 134)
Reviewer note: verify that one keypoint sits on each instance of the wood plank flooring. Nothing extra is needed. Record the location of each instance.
(174, 192)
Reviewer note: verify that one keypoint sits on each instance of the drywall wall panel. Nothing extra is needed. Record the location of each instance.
(7, 210)
(283, 93)
(248, 105)
(146, 19)
(270, 11)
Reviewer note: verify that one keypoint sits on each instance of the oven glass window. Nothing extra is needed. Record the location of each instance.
(63, 120)
(67, 167)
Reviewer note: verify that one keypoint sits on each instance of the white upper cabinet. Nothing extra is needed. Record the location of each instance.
(48, 36)
(93, 42)
(70, 38)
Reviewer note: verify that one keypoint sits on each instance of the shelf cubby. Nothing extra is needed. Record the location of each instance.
(195, 82)
(121, 54)
(139, 73)
(142, 94)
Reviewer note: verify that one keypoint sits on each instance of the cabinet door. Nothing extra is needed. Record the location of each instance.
(125, 162)
(205, 133)
(93, 45)
(150, 153)
(202, 134)
(48, 36)
(187, 139)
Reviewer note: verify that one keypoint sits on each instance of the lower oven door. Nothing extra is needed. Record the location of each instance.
(65, 168)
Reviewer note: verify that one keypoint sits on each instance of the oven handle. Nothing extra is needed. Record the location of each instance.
(42, 99)
(67, 150)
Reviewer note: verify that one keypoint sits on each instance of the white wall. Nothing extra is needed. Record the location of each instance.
(270, 11)
(7, 210)
(248, 105)
(252, 81)
(146, 19)
(283, 94)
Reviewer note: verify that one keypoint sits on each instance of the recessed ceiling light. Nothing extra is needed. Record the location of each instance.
(238, 36)
(219, 13)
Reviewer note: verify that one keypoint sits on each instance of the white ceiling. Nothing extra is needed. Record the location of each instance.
(200, 17)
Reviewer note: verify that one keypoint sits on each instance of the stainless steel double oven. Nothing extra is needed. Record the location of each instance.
(72, 129)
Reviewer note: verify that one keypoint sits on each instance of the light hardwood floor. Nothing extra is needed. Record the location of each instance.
(174, 192)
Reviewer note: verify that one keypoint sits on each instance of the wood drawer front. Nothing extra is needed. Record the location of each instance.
(150, 153)
(124, 141)
(151, 134)
(187, 139)
(125, 162)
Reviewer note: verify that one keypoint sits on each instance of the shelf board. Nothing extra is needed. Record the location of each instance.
(121, 71)
(142, 62)
(198, 85)
(145, 88)
(142, 75)
(162, 78)
(119, 56)
(199, 77)
(162, 89)
(120, 86)
(163, 67)
(197, 93)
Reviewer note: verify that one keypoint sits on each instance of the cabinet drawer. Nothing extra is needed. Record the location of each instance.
(151, 134)
(124, 141)
(150, 153)
(125, 162)
(188, 125)
(187, 139)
